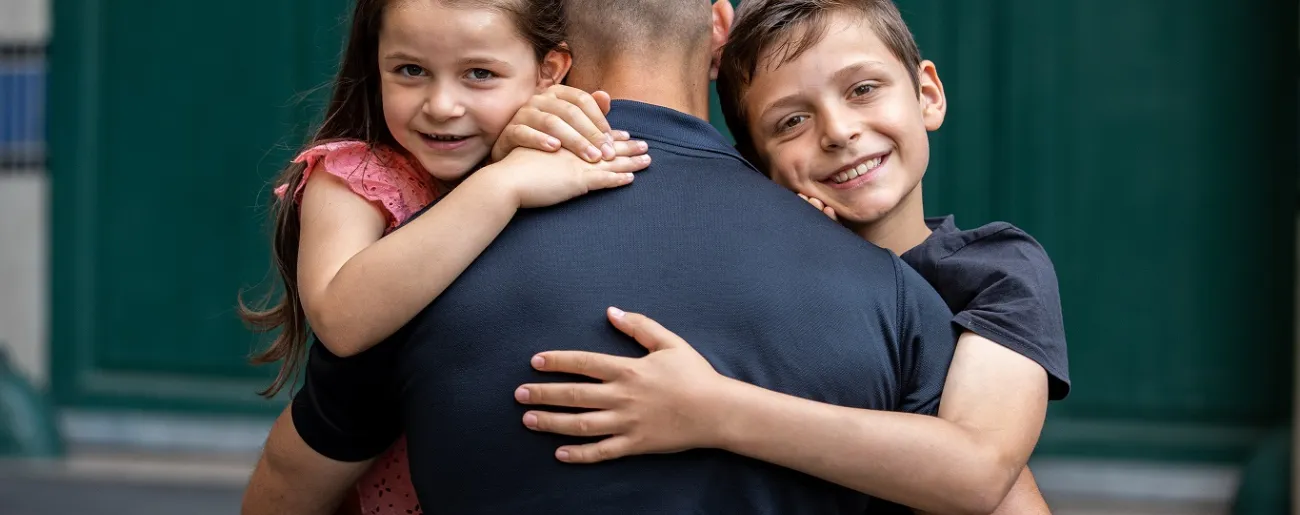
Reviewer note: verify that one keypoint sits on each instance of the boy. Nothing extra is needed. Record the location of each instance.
(832, 100)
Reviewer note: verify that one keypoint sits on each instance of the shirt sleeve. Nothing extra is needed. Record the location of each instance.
(927, 340)
(348, 408)
(389, 180)
(1016, 302)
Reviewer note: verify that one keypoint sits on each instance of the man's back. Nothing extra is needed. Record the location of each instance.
(766, 288)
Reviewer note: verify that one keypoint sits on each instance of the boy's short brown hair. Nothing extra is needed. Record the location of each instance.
(787, 29)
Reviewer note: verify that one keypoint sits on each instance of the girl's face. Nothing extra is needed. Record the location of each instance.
(452, 78)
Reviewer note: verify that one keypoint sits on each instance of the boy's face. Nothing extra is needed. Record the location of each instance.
(844, 123)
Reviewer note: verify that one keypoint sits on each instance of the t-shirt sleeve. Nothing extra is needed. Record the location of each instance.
(347, 409)
(927, 340)
(1016, 302)
(389, 180)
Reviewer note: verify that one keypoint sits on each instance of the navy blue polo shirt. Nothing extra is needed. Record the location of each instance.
(769, 291)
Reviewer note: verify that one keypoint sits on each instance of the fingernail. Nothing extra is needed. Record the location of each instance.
(538, 362)
(530, 421)
(522, 395)
(593, 153)
(625, 134)
(643, 146)
(608, 150)
(562, 455)
(615, 312)
(643, 159)
(552, 143)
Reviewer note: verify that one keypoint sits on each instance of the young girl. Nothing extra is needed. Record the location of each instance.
(423, 92)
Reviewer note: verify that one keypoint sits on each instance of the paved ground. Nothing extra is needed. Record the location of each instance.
(123, 484)
(213, 485)
(67, 496)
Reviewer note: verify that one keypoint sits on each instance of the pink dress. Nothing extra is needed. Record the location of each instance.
(399, 187)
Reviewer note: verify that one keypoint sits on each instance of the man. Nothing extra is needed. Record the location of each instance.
(770, 292)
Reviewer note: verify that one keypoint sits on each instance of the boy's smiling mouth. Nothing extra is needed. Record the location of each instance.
(857, 173)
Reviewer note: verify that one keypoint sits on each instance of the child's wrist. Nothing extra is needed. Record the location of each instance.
(496, 183)
(721, 424)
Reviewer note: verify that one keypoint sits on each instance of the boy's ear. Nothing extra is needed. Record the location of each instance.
(723, 14)
(934, 104)
(554, 67)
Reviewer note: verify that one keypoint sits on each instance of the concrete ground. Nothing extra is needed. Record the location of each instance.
(105, 483)
(124, 485)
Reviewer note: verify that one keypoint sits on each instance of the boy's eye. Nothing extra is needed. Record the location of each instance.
(410, 70)
(863, 89)
(480, 74)
(792, 122)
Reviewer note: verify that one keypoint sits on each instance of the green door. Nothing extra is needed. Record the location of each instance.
(1150, 146)
(167, 121)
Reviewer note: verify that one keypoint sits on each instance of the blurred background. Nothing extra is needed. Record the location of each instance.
(1150, 145)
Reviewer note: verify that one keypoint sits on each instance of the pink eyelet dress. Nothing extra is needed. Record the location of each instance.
(400, 187)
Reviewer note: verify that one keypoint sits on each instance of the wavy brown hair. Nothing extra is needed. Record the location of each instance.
(355, 112)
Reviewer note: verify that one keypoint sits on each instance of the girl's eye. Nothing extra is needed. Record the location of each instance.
(481, 74)
(410, 70)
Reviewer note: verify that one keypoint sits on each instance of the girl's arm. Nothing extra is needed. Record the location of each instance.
(291, 477)
(358, 288)
(963, 461)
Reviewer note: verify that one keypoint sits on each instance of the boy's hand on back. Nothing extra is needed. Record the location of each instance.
(825, 209)
(569, 118)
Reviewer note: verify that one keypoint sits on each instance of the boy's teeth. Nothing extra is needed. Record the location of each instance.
(862, 169)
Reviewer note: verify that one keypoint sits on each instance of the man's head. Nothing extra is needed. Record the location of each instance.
(832, 98)
(664, 39)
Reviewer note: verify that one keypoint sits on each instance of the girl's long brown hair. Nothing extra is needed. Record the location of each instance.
(355, 112)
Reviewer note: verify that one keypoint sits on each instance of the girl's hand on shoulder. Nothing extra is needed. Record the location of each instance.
(539, 179)
(821, 206)
(568, 118)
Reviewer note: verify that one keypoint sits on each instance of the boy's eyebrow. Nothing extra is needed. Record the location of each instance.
(856, 68)
(784, 102)
(843, 73)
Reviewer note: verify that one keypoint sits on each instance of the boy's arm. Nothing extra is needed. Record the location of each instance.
(672, 400)
(964, 461)
(1025, 498)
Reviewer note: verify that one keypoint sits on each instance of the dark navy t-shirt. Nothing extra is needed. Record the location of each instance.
(1002, 286)
(770, 292)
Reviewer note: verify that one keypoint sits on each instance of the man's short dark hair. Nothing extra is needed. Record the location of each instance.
(781, 31)
(602, 29)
